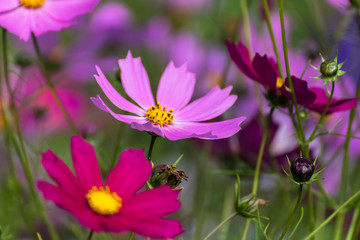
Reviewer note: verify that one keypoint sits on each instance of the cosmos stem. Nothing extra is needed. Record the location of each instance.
(292, 216)
(345, 168)
(89, 237)
(220, 225)
(21, 149)
(152, 142)
(51, 85)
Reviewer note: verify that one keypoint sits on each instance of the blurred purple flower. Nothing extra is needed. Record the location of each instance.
(264, 70)
(39, 16)
(171, 116)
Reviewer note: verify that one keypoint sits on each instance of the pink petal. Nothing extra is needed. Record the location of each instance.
(208, 130)
(17, 22)
(160, 202)
(114, 96)
(130, 174)
(135, 81)
(85, 163)
(7, 5)
(66, 10)
(139, 123)
(213, 104)
(41, 22)
(59, 172)
(176, 87)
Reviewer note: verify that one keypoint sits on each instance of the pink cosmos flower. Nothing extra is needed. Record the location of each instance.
(23, 17)
(114, 206)
(171, 116)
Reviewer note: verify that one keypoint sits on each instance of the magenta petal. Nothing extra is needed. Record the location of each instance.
(176, 87)
(7, 5)
(263, 67)
(206, 130)
(304, 95)
(85, 163)
(135, 81)
(335, 105)
(160, 202)
(213, 104)
(114, 96)
(59, 172)
(130, 174)
(240, 55)
(139, 123)
(144, 225)
(41, 22)
(66, 10)
(17, 22)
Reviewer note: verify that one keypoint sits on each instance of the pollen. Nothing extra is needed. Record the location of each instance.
(279, 82)
(32, 3)
(159, 115)
(102, 201)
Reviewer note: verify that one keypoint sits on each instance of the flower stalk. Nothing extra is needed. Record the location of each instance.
(51, 85)
(292, 216)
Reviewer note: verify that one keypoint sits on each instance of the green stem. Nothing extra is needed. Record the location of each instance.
(91, 233)
(333, 215)
(323, 114)
(152, 142)
(272, 36)
(220, 225)
(51, 85)
(132, 236)
(23, 154)
(311, 208)
(292, 216)
(354, 226)
(261, 153)
(246, 228)
(345, 167)
(246, 25)
(301, 135)
(258, 164)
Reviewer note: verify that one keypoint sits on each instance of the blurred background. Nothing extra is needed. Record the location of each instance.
(192, 31)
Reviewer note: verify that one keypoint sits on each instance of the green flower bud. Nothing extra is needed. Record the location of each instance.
(245, 206)
(329, 68)
(167, 174)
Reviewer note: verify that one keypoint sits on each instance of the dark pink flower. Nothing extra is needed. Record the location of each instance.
(23, 17)
(264, 70)
(114, 206)
(171, 115)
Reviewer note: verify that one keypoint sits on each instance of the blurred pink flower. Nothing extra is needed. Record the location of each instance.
(114, 206)
(38, 109)
(171, 116)
(39, 16)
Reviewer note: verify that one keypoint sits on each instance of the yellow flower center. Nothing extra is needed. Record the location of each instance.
(159, 115)
(32, 3)
(103, 201)
(279, 82)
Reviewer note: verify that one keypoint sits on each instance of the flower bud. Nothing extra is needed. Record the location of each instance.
(167, 174)
(329, 68)
(302, 169)
(245, 206)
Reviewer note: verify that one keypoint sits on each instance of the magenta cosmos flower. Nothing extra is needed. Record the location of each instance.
(264, 70)
(171, 116)
(23, 17)
(114, 206)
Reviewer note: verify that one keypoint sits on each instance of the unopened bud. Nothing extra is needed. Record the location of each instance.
(302, 169)
(167, 174)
